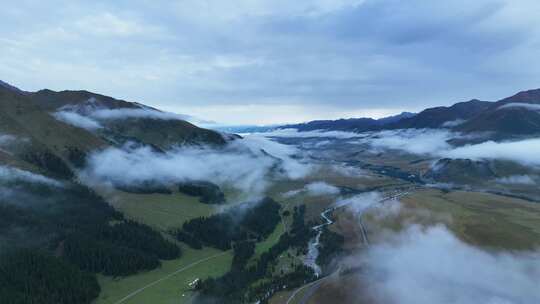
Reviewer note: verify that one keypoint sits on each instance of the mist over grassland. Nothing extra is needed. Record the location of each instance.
(428, 263)
(431, 142)
(420, 264)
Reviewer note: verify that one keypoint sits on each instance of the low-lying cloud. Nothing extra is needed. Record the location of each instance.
(435, 142)
(516, 180)
(248, 165)
(92, 113)
(453, 123)
(430, 142)
(8, 173)
(372, 202)
(289, 156)
(6, 139)
(430, 265)
(416, 141)
(314, 189)
(523, 151)
(124, 113)
(528, 106)
(294, 133)
(77, 120)
(359, 203)
(349, 171)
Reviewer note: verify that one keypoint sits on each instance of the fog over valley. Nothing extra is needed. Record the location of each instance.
(270, 152)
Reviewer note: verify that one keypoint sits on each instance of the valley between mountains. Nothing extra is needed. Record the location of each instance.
(108, 201)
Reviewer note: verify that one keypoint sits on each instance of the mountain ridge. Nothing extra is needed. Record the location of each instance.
(41, 142)
(510, 117)
(508, 122)
(352, 124)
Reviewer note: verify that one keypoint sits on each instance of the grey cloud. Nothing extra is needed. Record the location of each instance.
(529, 106)
(355, 54)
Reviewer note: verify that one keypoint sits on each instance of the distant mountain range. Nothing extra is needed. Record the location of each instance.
(518, 115)
(515, 116)
(351, 124)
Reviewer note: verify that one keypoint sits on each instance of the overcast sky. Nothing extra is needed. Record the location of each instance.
(273, 61)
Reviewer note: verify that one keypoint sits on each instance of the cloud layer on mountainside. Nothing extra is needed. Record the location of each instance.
(517, 180)
(523, 151)
(6, 139)
(314, 189)
(89, 115)
(8, 174)
(528, 106)
(247, 164)
(434, 143)
(77, 120)
(294, 133)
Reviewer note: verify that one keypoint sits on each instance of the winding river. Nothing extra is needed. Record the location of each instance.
(313, 247)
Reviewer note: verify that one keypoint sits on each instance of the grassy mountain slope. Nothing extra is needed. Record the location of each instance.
(39, 138)
(162, 133)
(436, 117)
(498, 118)
(510, 121)
(428, 118)
(50, 100)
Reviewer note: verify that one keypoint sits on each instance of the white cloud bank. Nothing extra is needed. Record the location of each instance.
(294, 133)
(314, 189)
(434, 142)
(430, 142)
(321, 188)
(349, 171)
(91, 113)
(124, 113)
(373, 202)
(453, 123)
(8, 173)
(426, 266)
(528, 106)
(77, 120)
(516, 180)
(6, 139)
(523, 151)
(359, 203)
(416, 141)
(247, 165)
